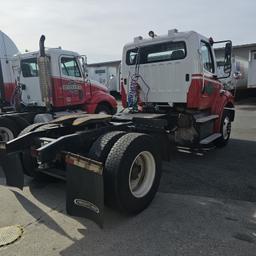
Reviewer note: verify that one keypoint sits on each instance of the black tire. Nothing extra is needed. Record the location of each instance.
(29, 163)
(8, 129)
(21, 122)
(225, 130)
(102, 146)
(117, 173)
(103, 108)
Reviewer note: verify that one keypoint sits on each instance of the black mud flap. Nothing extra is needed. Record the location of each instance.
(13, 169)
(85, 191)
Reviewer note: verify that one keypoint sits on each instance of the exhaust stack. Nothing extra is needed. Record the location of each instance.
(44, 75)
(41, 46)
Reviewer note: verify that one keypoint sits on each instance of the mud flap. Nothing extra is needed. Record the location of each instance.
(13, 170)
(85, 191)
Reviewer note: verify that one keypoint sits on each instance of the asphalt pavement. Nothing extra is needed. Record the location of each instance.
(206, 205)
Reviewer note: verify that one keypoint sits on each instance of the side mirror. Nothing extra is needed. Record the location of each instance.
(223, 53)
(227, 60)
(83, 62)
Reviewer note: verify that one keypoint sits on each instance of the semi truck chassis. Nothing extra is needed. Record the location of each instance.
(104, 159)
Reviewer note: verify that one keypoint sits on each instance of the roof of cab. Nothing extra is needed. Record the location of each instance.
(49, 51)
(173, 34)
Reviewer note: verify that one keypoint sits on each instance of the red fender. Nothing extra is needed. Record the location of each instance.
(225, 99)
(100, 97)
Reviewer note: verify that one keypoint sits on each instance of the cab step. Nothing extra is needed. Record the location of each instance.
(210, 139)
(205, 119)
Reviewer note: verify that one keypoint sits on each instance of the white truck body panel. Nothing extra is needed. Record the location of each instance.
(252, 70)
(7, 50)
(239, 65)
(31, 93)
(98, 74)
(165, 80)
(107, 75)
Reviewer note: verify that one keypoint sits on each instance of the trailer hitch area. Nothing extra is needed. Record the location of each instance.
(13, 169)
(85, 188)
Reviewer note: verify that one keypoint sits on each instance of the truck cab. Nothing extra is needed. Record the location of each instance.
(40, 86)
(177, 74)
(69, 86)
(177, 68)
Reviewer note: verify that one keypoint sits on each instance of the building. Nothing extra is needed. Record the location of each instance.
(107, 73)
(244, 62)
(245, 51)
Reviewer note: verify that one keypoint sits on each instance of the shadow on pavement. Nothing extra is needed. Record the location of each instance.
(40, 215)
(248, 104)
(227, 172)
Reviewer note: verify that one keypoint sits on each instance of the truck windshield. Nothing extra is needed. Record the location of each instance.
(29, 67)
(167, 51)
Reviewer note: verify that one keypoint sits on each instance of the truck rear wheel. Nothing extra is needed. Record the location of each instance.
(132, 173)
(8, 129)
(225, 130)
(21, 122)
(28, 162)
(101, 147)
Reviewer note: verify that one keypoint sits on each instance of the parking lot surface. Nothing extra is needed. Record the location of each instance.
(206, 205)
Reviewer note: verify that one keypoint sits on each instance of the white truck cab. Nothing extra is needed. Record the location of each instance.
(166, 65)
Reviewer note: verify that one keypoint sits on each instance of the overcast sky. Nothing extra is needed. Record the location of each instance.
(99, 28)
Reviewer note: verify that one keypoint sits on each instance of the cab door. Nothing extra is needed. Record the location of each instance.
(29, 80)
(69, 89)
(210, 85)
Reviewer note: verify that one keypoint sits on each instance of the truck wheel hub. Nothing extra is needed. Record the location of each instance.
(142, 174)
(226, 128)
(6, 134)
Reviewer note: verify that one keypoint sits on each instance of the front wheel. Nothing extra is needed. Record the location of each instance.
(132, 173)
(103, 109)
(225, 130)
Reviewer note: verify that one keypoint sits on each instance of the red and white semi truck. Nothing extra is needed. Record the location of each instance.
(172, 96)
(40, 86)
